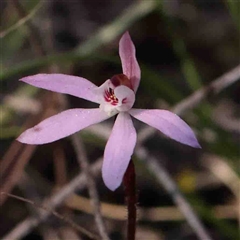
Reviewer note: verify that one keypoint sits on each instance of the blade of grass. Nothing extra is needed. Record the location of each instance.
(234, 10)
(187, 65)
(21, 21)
(102, 37)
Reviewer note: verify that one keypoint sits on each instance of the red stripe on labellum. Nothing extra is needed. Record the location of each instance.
(110, 97)
(124, 100)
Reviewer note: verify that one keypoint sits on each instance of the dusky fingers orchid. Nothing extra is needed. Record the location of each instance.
(115, 96)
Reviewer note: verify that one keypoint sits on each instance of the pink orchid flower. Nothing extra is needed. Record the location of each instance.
(115, 96)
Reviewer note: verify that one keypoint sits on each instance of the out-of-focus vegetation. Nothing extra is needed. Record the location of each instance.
(182, 46)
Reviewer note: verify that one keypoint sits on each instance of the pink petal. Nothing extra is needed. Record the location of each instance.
(129, 62)
(62, 125)
(118, 151)
(76, 86)
(168, 123)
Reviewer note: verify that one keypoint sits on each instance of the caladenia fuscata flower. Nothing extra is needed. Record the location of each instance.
(116, 96)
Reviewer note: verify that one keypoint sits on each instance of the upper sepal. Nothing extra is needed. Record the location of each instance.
(130, 64)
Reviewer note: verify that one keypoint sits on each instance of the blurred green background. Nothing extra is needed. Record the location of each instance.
(181, 47)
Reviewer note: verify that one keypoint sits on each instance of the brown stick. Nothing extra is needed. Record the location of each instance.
(131, 199)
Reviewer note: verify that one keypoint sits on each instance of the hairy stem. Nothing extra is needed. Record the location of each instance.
(131, 199)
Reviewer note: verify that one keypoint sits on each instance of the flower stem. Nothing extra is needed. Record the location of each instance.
(131, 200)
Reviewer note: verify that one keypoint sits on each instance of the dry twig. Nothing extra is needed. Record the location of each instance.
(78, 183)
(55, 213)
(152, 214)
(170, 186)
(83, 162)
(214, 87)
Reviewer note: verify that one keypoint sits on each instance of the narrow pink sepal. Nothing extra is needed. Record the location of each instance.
(118, 151)
(168, 123)
(61, 83)
(62, 125)
(130, 65)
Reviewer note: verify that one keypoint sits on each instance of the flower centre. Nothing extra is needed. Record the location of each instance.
(116, 95)
(110, 97)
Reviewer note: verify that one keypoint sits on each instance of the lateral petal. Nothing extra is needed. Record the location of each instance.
(62, 125)
(118, 151)
(168, 123)
(73, 85)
